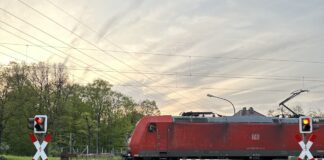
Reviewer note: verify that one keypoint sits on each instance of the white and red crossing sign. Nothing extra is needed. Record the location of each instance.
(305, 147)
(40, 147)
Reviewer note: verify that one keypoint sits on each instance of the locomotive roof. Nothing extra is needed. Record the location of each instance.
(242, 116)
(235, 119)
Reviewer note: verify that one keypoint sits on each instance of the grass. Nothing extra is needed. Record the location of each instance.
(10, 157)
(100, 158)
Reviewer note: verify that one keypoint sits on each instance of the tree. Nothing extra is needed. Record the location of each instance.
(18, 100)
(97, 94)
(4, 89)
(90, 124)
(148, 107)
(271, 113)
(318, 113)
(298, 109)
(78, 115)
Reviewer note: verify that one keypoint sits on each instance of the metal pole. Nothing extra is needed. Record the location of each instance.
(209, 95)
(70, 143)
(304, 139)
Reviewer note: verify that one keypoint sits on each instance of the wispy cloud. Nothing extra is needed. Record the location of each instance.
(253, 43)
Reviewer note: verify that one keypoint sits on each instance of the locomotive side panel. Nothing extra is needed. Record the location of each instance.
(206, 135)
(236, 139)
(149, 136)
(161, 136)
(224, 136)
(254, 137)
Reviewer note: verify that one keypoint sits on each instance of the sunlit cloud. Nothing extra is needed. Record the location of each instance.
(253, 52)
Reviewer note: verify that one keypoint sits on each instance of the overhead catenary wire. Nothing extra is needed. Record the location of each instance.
(138, 73)
(198, 75)
(39, 41)
(270, 91)
(100, 75)
(84, 80)
(257, 77)
(265, 77)
(201, 88)
(92, 44)
(80, 78)
(37, 60)
(181, 87)
(8, 55)
(123, 51)
(44, 32)
(173, 55)
(17, 52)
(186, 56)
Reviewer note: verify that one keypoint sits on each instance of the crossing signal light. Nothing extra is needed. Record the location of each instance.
(40, 124)
(305, 124)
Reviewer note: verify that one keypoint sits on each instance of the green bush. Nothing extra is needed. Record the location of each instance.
(4, 148)
(3, 158)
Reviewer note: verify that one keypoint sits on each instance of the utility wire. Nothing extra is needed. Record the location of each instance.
(29, 35)
(200, 75)
(44, 48)
(270, 77)
(38, 61)
(187, 56)
(89, 41)
(80, 78)
(92, 44)
(153, 89)
(100, 75)
(182, 87)
(8, 55)
(80, 36)
(219, 88)
(168, 86)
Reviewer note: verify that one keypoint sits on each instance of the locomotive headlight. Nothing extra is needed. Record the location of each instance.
(128, 142)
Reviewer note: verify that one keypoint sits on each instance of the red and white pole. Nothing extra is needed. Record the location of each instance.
(305, 147)
(40, 147)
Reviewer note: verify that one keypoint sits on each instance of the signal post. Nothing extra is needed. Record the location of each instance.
(39, 125)
(305, 127)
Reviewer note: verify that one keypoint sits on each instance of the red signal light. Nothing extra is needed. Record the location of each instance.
(39, 120)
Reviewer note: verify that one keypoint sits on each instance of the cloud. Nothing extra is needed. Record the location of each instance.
(115, 19)
(247, 40)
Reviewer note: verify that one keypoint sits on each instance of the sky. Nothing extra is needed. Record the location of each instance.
(252, 52)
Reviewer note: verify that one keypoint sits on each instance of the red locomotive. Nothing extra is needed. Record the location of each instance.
(245, 135)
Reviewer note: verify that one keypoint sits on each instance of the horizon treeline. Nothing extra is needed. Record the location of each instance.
(79, 115)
